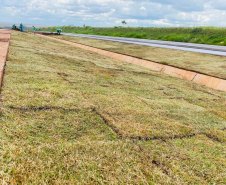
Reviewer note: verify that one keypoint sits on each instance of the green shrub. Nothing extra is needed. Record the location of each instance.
(224, 42)
(130, 35)
(119, 34)
(196, 30)
(141, 36)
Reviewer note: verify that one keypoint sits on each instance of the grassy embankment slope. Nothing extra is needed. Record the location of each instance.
(75, 117)
(202, 63)
(201, 35)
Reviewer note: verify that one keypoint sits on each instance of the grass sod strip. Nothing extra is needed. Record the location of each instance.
(146, 127)
(201, 63)
(76, 117)
(209, 81)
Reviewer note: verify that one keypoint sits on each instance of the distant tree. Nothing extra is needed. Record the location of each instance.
(84, 25)
(124, 22)
(89, 27)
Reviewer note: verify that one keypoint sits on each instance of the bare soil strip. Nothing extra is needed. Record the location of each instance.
(5, 36)
(209, 81)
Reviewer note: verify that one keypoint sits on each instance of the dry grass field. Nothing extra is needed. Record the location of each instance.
(70, 116)
(198, 62)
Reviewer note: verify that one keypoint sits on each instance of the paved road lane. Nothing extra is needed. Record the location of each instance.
(200, 48)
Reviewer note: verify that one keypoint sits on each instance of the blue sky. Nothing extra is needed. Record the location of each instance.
(112, 12)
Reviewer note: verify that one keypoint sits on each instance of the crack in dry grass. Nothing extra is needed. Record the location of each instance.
(33, 108)
(164, 139)
(115, 129)
(161, 166)
(120, 135)
(155, 162)
(213, 137)
(106, 122)
(111, 126)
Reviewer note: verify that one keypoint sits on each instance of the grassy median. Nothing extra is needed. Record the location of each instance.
(202, 63)
(71, 116)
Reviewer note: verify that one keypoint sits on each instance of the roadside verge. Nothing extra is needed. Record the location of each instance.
(209, 81)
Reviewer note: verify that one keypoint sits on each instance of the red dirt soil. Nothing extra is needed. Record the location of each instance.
(5, 36)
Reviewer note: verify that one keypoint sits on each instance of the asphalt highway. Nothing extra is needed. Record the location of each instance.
(199, 48)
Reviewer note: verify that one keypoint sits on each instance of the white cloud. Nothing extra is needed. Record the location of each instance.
(143, 8)
(35, 18)
(111, 12)
(127, 20)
